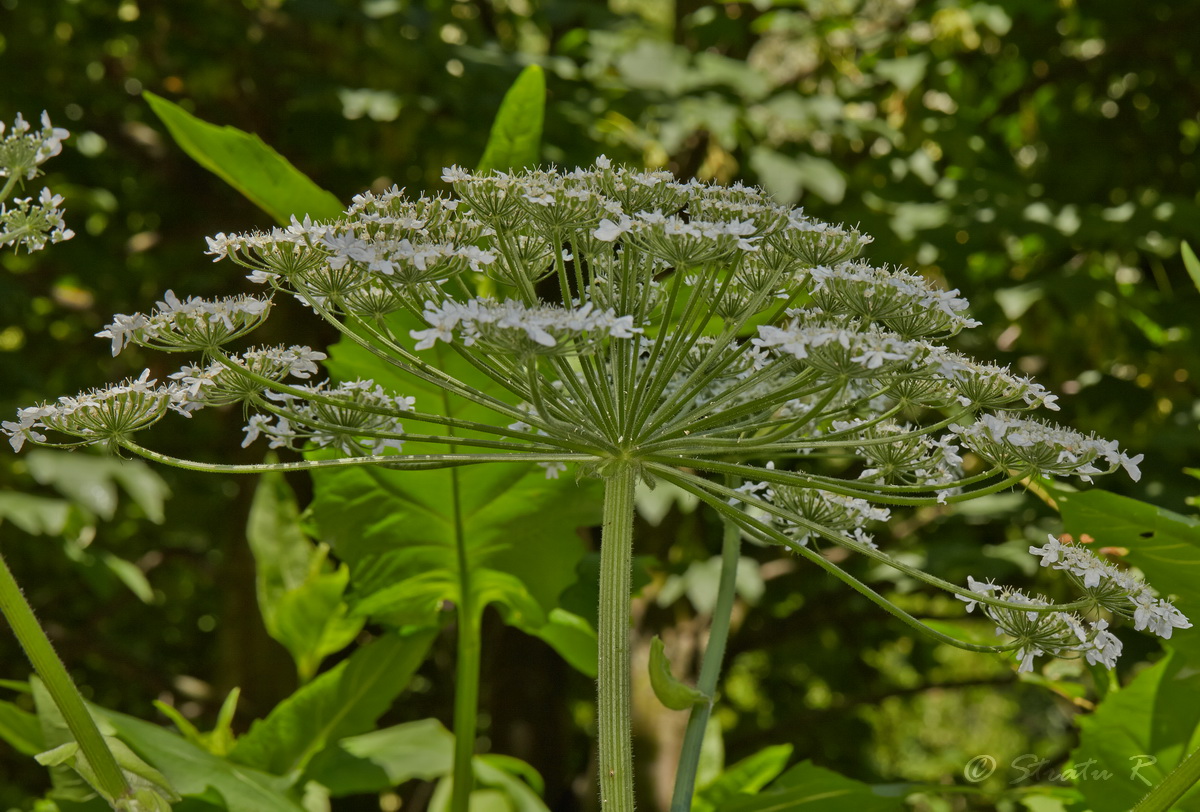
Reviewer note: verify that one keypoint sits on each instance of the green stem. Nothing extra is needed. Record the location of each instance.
(14, 175)
(466, 669)
(1172, 788)
(467, 663)
(710, 670)
(613, 705)
(66, 696)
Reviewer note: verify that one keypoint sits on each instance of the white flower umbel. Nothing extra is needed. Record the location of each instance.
(31, 223)
(188, 325)
(638, 327)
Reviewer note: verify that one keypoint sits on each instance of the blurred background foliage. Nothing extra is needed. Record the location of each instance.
(1038, 155)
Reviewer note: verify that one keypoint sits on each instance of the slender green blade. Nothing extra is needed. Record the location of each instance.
(1192, 264)
(242, 160)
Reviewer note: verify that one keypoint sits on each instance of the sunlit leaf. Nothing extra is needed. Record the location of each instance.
(299, 593)
(1138, 735)
(807, 786)
(746, 777)
(1192, 264)
(516, 137)
(21, 730)
(242, 160)
(344, 701)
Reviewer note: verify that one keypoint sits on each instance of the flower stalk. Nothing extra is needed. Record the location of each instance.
(710, 669)
(613, 706)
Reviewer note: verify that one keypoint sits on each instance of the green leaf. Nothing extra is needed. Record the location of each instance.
(516, 137)
(670, 691)
(342, 702)
(1192, 264)
(385, 758)
(299, 597)
(905, 73)
(219, 741)
(131, 575)
(67, 783)
(251, 167)
(1138, 735)
(71, 773)
(572, 637)
(1165, 546)
(422, 750)
(788, 178)
(399, 531)
(746, 777)
(36, 515)
(150, 787)
(21, 730)
(808, 787)
(196, 773)
(499, 788)
(91, 482)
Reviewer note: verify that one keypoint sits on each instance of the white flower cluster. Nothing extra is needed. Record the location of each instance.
(219, 384)
(30, 222)
(897, 453)
(33, 223)
(1033, 445)
(897, 299)
(1038, 631)
(24, 149)
(356, 417)
(987, 386)
(1065, 634)
(836, 514)
(384, 240)
(99, 415)
(1116, 589)
(517, 328)
(838, 349)
(192, 324)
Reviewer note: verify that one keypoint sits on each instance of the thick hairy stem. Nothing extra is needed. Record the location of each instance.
(613, 706)
(710, 670)
(58, 683)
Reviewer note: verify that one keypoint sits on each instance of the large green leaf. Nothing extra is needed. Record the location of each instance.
(299, 594)
(809, 787)
(516, 137)
(243, 161)
(344, 701)
(1138, 735)
(400, 531)
(1165, 546)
